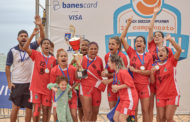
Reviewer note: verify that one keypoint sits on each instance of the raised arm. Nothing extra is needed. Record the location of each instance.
(52, 86)
(27, 44)
(124, 33)
(38, 21)
(151, 26)
(175, 45)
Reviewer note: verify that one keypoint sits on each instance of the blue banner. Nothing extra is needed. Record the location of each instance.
(4, 92)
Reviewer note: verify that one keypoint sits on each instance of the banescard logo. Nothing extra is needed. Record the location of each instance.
(168, 21)
(145, 8)
(79, 5)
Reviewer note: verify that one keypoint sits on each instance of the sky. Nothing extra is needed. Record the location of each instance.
(15, 15)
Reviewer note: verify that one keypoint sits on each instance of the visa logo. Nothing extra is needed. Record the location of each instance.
(75, 17)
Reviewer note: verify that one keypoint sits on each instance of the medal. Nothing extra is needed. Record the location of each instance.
(79, 74)
(157, 67)
(46, 70)
(106, 71)
(142, 67)
(84, 74)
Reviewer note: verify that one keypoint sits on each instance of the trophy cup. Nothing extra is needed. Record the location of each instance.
(75, 44)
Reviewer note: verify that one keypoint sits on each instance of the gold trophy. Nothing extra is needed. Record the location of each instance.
(75, 44)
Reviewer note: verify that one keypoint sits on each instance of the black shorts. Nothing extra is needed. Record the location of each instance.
(79, 103)
(20, 95)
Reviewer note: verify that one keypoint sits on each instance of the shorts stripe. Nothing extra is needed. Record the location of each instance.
(125, 110)
(130, 98)
(148, 90)
(175, 80)
(81, 92)
(31, 97)
(176, 100)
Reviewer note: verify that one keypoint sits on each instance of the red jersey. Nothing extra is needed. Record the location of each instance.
(69, 72)
(94, 66)
(124, 58)
(40, 79)
(166, 86)
(136, 63)
(126, 94)
(154, 51)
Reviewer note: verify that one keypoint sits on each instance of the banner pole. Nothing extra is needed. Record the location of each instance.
(47, 19)
(37, 13)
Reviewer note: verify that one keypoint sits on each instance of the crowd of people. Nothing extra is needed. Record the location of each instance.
(39, 80)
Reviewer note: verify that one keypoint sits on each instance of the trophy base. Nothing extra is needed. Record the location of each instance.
(82, 74)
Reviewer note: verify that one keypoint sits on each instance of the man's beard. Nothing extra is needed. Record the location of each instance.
(22, 43)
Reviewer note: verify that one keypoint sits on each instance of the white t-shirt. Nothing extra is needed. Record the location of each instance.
(21, 64)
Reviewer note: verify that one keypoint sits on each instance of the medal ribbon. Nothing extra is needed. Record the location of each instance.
(157, 54)
(88, 64)
(64, 73)
(59, 96)
(22, 58)
(46, 61)
(142, 61)
(114, 79)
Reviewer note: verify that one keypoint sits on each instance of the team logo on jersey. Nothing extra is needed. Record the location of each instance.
(165, 69)
(98, 101)
(145, 7)
(109, 94)
(142, 93)
(158, 100)
(36, 96)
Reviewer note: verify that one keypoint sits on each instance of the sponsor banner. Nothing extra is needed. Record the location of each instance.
(98, 20)
(168, 21)
(70, 12)
(4, 92)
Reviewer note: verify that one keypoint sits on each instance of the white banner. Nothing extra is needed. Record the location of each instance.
(98, 20)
